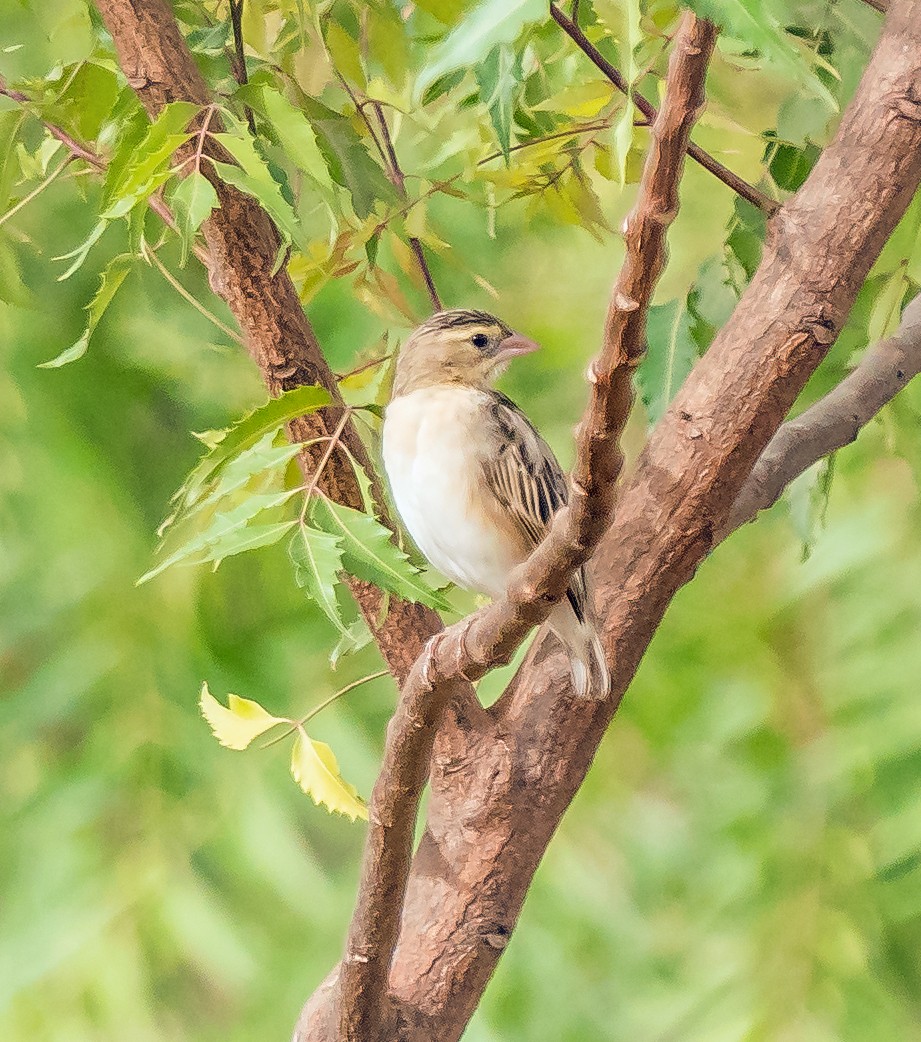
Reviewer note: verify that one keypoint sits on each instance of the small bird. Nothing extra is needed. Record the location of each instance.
(473, 481)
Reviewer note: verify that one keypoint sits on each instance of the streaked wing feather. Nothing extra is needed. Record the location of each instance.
(526, 478)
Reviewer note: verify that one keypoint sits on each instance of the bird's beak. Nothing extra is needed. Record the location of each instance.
(513, 345)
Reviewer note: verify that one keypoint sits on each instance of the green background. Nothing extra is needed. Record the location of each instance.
(744, 861)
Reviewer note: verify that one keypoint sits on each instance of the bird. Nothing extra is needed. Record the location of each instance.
(474, 483)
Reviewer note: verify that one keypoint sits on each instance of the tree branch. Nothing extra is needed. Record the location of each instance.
(704, 159)
(834, 421)
(243, 244)
(472, 647)
(497, 794)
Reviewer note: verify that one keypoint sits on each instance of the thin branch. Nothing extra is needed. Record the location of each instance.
(26, 199)
(704, 159)
(835, 420)
(238, 57)
(878, 5)
(399, 182)
(472, 647)
(151, 256)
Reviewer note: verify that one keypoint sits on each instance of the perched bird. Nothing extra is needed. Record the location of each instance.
(473, 481)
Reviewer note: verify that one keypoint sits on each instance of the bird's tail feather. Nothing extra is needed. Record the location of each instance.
(590, 676)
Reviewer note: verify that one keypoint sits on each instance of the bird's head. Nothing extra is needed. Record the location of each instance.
(458, 346)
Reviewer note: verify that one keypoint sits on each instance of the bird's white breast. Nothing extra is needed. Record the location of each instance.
(433, 447)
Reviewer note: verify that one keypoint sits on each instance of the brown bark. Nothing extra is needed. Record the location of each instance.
(834, 421)
(243, 245)
(498, 793)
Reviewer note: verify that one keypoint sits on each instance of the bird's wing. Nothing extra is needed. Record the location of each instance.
(527, 480)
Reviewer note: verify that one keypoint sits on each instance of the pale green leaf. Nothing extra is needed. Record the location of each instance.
(296, 135)
(671, 353)
(239, 722)
(490, 23)
(148, 167)
(316, 771)
(246, 433)
(110, 280)
(79, 255)
(368, 552)
(228, 533)
(193, 199)
(317, 559)
(624, 130)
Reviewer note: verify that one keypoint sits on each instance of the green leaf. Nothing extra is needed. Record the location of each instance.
(357, 635)
(316, 771)
(671, 353)
(193, 199)
(253, 177)
(790, 166)
(296, 136)
(246, 433)
(112, 277)
(79, 255)
(347, 159)
(148, 165)
(758, 25)
(239, 722)
(499, 77)
(624, 130)
(368, 552)
(807, 496)
(317, 559)
(490, 23)
(229, 533)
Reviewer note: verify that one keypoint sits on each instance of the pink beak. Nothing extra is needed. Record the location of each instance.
(516, 344)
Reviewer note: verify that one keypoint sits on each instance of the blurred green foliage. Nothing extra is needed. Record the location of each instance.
(744, 861)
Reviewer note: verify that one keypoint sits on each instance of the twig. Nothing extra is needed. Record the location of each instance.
(151, 255)
(835, 420)
(878, 5)
(238, 57)
(26, 199)
(399, 182)
(326, 702)
(736, 183)
(472, 647)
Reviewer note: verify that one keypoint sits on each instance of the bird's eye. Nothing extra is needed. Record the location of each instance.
(480, 340)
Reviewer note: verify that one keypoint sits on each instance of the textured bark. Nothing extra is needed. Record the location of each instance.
(243, 245)
(835, 420)
(498, 791)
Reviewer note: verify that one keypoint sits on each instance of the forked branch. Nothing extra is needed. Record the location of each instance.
(472, 647)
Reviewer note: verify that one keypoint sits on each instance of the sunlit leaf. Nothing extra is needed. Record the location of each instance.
(316, 771)
(317, 559)
(239, 722)
(192, 200)
(490, 23)
(368, 552)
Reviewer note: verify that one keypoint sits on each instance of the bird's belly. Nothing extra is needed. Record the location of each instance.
(437, 482)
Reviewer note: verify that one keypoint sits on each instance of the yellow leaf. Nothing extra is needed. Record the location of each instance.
(316, 771)
(239, 722)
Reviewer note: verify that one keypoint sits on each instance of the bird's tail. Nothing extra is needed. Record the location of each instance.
(590, 677)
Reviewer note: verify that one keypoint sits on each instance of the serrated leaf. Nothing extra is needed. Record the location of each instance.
(296, 136)
(112, 277)
(499, 79)
(347, 158)
(79, 255)
(193, 200)
(369, 553)
(490, 23)
(357, 636)
(316, 771)
(239, 722)
(317, 559)
(253, 177)
(247, 432)
(229, 533)
(671, 353)
(148, 166)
